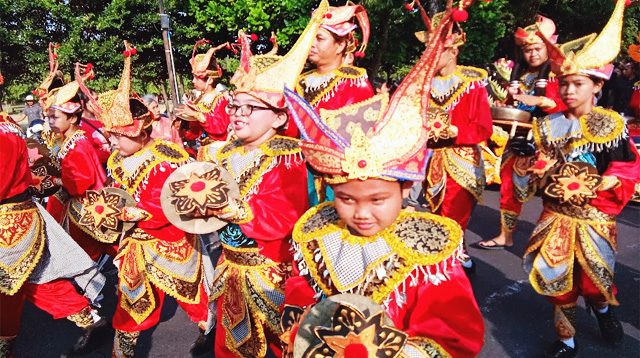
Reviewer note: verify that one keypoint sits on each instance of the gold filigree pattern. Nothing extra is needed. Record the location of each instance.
(353, 334)
(124, 344)
(199, 193)
(573, 184)
(82, 319)
(100, 209)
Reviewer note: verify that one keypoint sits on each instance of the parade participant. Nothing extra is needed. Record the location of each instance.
(586, 169)
(164, 127)
(92, 126)
(634, 101)
(155, 258)
(364, 243)
(80, 167)
(455, 173)
(34, 252)
(335, 82)
(271, 174)
(207, 110)
(535, 89)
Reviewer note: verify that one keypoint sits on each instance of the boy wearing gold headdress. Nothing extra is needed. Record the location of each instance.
(155, 258)
(460, 119)
(586, 169)
(364, 244)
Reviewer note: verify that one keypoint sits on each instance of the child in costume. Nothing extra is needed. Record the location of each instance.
(248, 286)
(460, 119)
(208, 110)
(537, 93)
(586, 168)
(155, 258)
(34, 254)
(80, 166)
(335, 82)
(364, 243)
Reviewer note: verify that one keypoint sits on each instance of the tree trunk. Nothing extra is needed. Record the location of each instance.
(384, 40)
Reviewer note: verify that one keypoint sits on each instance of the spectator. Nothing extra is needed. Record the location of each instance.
(32, 111)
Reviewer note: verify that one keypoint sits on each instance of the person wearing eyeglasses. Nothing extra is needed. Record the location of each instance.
(272, 177)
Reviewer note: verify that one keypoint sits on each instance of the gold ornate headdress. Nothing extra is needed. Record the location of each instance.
(379, 137)
(529, 35)
(115, 105)
(589, 55)
(66, 98)
(338, 21)
(200, 63)
(265, 76)
(453, 39)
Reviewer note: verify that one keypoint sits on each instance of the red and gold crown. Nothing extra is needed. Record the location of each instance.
(456, 15)
(265, 76)
(338, 20)
(115, 105)
(589, 55)
(200, 63)
(65, 98)
(529, 35)
(379, 137)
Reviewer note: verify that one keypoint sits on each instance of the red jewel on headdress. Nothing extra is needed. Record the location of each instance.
(459, 15)
(359, 54)
(254, 37)
(55, 56)
(99, 209)
(362, 163)
(89, 67)
(328, 15)
(228, 46)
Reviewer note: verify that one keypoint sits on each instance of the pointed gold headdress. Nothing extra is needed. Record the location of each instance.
(54, 78)
(265, 76)
(589, 55)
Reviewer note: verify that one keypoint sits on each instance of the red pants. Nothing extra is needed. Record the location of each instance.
(508, 200)
(582, 286)
(457, 203)
(124, 322)
(59, 298)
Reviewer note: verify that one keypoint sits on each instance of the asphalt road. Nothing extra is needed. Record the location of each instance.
(518, 322)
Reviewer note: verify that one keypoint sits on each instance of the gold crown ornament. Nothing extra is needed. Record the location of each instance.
(200, 63)
(265, 76)
(380, 137)
(115, 106)
(529, 35)
(590, 55)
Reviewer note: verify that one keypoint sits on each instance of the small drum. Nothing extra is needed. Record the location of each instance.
(514, 121)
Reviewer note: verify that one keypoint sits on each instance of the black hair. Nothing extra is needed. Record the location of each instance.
(521, 67)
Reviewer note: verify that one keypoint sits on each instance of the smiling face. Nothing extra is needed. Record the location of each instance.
(259, 126)
(326, 49)
(577, 92)
(535, 55)
(368, 206)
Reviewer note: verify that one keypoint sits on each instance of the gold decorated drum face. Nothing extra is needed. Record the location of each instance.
(514, 121)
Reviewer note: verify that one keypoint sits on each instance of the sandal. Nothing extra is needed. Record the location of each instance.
(483, 245)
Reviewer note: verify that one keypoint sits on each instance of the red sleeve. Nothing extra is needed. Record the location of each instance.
(16, 176)
(158, 225)
(81, 169)
(446, 313)
(280, 201)
(297, 291)
(472, 116)
(218, 120)
(553, 92)
(613, 201)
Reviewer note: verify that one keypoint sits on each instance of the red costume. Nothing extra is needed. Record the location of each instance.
(455, 174)
(23, 241)
(81, 171)
(93, 131)
(634, 102)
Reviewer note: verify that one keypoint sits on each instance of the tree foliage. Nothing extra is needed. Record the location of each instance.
(93, 31)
